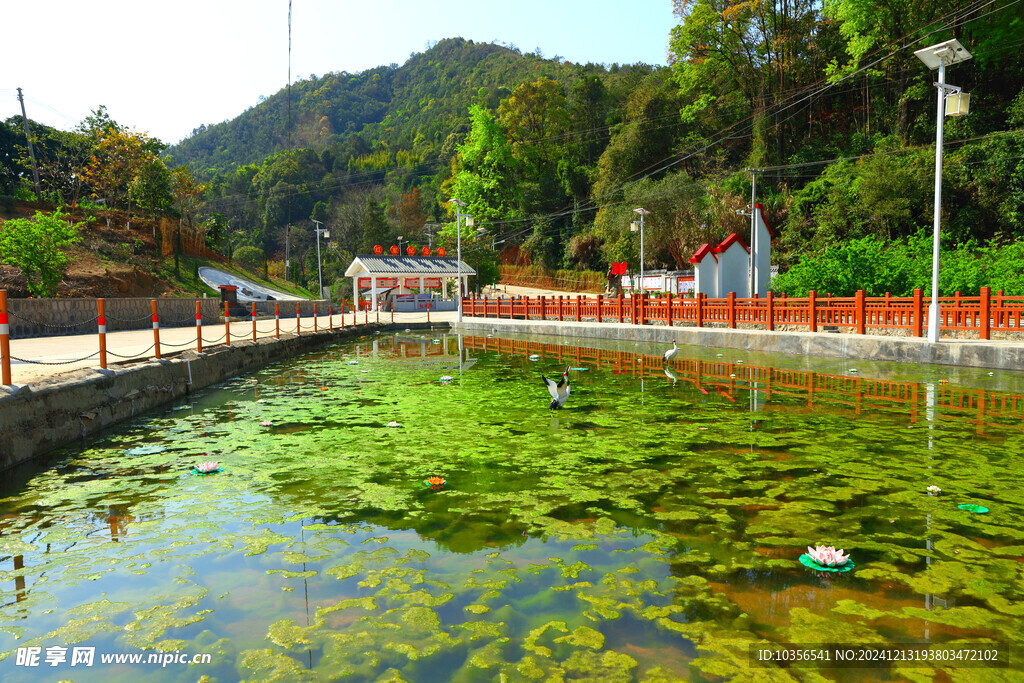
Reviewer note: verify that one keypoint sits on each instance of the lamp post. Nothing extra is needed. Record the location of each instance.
(939, 57)
(633, 227)
(458, 241)
(319, 271)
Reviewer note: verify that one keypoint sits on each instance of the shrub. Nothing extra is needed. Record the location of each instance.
(36, 246)
(250, 258)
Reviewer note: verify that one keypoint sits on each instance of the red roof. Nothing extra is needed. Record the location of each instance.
(704, 250)
(229, 288)
(729, 241)
(770, 231)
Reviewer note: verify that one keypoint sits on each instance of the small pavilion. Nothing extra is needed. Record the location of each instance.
(376, 272)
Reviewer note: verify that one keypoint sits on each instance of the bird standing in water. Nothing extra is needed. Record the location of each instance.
(671, 353)
(559, 391)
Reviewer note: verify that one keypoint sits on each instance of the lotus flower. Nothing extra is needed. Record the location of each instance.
(392, 424)
(207, 467)
(266, 423)
(828, 556)
(934, 490)
(436, 481)
(446, 378)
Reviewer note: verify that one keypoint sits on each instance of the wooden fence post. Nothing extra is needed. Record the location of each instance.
(770, 305)
(600, 301)
(860, 311)
(700, 309)
(101, 328)
(918, 329)
(579, 308)
(619, 308)
(986, 303)
(543, 301)
(731, 298)
(668, 309)
(156, 330)
(812, 310)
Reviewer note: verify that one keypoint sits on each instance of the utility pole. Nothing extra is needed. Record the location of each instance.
(287, 252)
(28, 137)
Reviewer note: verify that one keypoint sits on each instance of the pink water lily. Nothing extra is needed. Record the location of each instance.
(266, 423)
(207, 467)
(828, 556)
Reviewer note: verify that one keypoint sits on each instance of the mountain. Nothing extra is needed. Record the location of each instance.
(415, 107)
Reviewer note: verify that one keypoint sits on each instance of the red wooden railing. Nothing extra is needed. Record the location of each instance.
(859, 314)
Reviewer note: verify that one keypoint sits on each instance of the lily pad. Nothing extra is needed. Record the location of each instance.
(970, 507)
(145, 450)
(806, 561)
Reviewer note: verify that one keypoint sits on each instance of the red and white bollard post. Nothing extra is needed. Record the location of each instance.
(277, 320)
(199, 327)
(314, 319)
(101, 329)
(330, 316)
(227, 325)
(253, 315)
(156, 330)
(5, 340)
(298, 319)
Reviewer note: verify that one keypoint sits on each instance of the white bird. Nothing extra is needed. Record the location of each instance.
(559, 391)
(671, 353)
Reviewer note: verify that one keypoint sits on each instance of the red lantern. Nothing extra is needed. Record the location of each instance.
(378, 250)
(394, 250)
(440, 252)
(410, 250)
(426, 251)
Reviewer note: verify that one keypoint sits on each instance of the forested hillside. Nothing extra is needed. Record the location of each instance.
(825, 100)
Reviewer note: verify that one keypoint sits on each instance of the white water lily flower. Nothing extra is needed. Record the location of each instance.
(828, 556)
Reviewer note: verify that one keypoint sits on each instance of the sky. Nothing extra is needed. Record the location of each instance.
(165, 68)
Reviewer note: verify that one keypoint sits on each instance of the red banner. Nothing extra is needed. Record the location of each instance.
(412, 283)
(618, 268)
(387, 282)
(431, 282)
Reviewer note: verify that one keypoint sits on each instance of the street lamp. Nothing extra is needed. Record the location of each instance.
(633, 227)
(939, 57)
(400, 238)
(458, 241)
(327, 235)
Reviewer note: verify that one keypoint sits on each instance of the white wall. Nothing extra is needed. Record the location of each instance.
(732, 271)
(763, 255)
(705, 277)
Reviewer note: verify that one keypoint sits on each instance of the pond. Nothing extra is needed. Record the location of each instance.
(649, 531)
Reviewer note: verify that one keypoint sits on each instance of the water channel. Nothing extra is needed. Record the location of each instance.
(648, 532)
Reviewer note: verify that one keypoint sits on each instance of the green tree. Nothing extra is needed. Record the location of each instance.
(37, 247)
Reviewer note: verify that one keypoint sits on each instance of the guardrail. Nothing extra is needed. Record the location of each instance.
(99, 327)
(982, 314)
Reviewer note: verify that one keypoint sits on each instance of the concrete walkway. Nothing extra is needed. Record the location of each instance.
(60, 353)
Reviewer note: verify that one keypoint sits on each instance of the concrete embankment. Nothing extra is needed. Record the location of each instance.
(60, 410)
(1001, 355)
